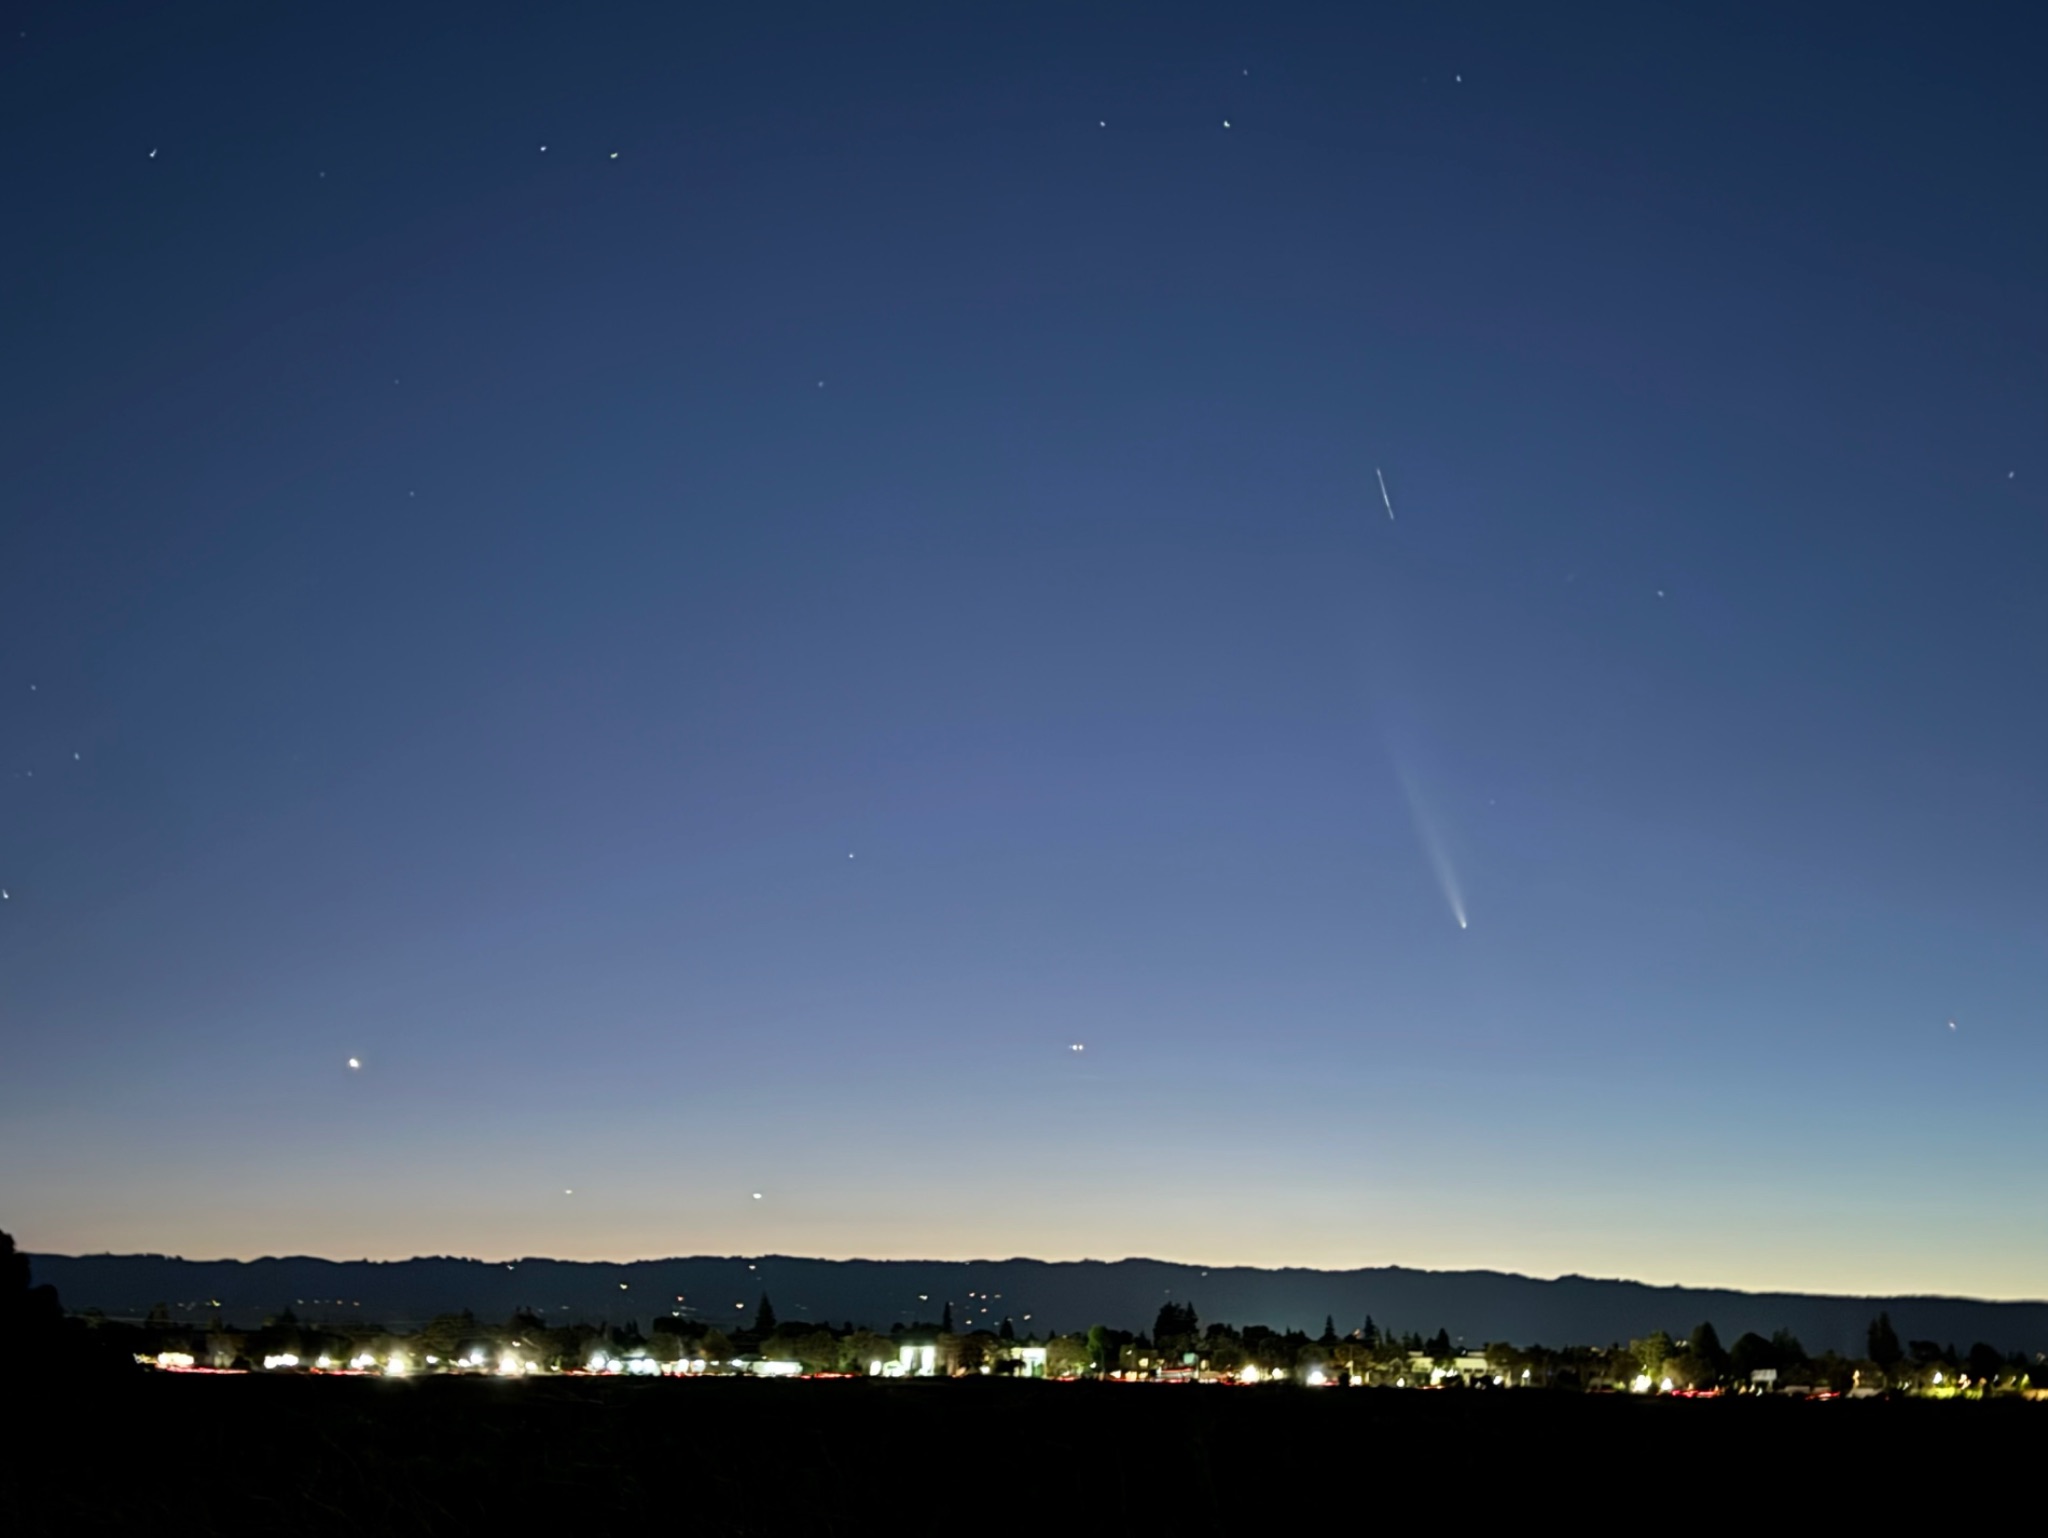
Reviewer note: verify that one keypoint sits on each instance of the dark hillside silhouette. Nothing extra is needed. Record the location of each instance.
(1040, 1296)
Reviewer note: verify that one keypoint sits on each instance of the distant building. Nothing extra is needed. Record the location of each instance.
(913, 1361)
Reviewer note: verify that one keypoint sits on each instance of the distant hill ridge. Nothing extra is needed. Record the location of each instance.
(1038, 1295)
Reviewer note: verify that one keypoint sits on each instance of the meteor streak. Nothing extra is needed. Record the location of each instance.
(1383, 493)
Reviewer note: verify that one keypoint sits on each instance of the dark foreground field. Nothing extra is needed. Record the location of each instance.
(300, 1455)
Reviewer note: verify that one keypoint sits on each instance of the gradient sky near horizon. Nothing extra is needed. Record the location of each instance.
(708, 591)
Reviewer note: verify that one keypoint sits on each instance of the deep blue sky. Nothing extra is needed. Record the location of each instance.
(709, 671)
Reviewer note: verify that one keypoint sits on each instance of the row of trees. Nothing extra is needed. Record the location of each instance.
(1701, 1361)
(1177, 1341)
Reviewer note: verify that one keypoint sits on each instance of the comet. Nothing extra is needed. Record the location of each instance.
(1433, 847)
(1383, 493)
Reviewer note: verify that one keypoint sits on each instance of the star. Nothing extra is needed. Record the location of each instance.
(152, 154)
(1226, 122)
(355, 1062)
(615, 154)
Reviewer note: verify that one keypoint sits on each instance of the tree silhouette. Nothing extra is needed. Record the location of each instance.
(1705, 1345)
(31, 1318)
(1174, 1322)
(1984, 1361)
(1882, 1341)
(946, 1318)
(764, 1317)
(35, 1337)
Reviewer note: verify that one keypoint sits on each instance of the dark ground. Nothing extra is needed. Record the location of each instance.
(302, 1455)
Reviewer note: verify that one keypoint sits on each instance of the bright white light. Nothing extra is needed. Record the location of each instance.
(1316, 1378)
(355, 1062)
(284, 1359)
(1249, 1375)
(1665, 1385)
(363, 1362)
(174, 1359)
(323, 1363)
(1641, 1383)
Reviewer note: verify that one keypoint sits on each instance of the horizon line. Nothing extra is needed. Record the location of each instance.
(837, 1260)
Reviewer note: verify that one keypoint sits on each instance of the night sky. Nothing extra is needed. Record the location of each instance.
(708, 593)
